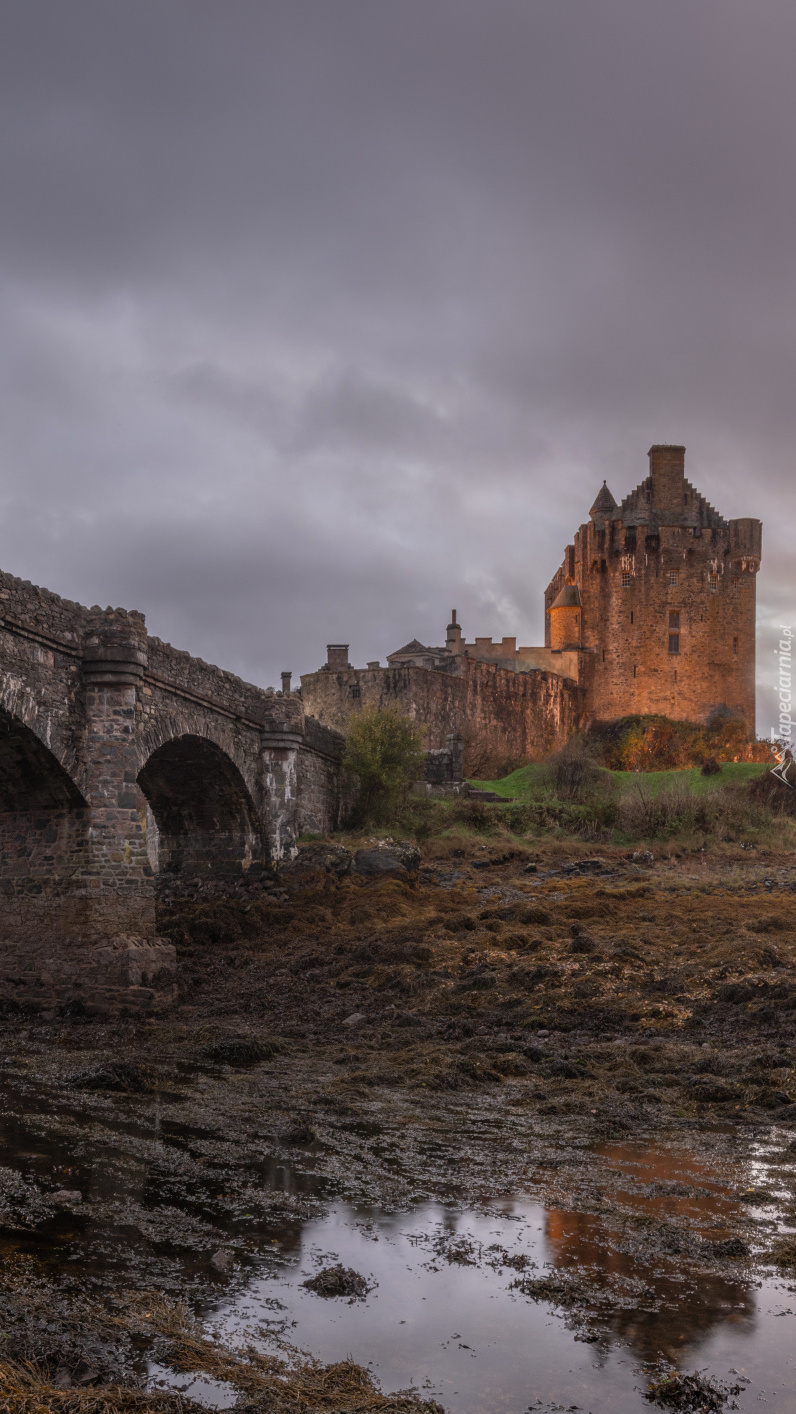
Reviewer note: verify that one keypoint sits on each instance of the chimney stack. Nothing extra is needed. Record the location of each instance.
(337, 657)
(667, 472)
(286, 682)
(453, 640)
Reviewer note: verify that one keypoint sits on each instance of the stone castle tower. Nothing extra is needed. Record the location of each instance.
(657, 598)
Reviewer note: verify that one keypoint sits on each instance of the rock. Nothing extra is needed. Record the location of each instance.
(221, 1261)
(319, 858)
(62, 1378)
(585, 866)
(584, 945)
(337, 1281)
(643, 856)
(408, 1018)
(239, 1050)
(387, 858)
(354, 1019)
(298, 1134)
(69, 1196)
(725, 1247)
(126, 1077)
(710, 1089)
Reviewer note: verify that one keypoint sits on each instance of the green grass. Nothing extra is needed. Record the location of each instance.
(528, 782)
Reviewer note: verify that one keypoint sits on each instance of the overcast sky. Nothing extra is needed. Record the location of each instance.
(319, 317)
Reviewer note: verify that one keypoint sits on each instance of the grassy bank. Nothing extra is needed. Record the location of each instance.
(531, 782)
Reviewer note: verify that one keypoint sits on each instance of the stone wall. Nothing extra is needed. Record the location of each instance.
(505, 718)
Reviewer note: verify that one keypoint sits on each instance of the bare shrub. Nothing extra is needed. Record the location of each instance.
(475, 814)
(644, 816)
(730, 812)
(573, 773)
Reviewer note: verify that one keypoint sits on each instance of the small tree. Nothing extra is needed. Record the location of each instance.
(384, 755)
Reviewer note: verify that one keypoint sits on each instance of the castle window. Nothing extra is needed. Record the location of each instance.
(674, 578)
(735, 582)
(355, 690)
(626, 579)
(674, 643)
(631, 615)
(674, 618)
(713, 583)
(735, 648)
(634, 670)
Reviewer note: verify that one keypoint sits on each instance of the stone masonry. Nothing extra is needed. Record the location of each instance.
(124, 762)
(503, 717)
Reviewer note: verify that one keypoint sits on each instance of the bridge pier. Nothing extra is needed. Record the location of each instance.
(124, 961)
(280, 743)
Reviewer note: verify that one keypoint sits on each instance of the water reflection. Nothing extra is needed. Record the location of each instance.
(677, 1193)
(443, 1315)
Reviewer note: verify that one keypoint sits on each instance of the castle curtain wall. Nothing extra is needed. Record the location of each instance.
(505, 718)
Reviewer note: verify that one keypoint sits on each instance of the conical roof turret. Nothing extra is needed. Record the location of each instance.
(604, 506)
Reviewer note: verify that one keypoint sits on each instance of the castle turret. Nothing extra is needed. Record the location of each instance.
(604, 505)
(565, 618)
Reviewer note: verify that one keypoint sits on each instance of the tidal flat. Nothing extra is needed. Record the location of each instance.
(539, 1103)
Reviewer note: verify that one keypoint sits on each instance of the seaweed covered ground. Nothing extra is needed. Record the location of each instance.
(490, 1019)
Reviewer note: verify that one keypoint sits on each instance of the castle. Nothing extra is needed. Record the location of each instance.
(652, 610)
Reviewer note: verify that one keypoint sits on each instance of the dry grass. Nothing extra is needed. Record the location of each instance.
(26, 1389)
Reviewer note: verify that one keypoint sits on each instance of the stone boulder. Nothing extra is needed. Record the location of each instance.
(387, 857)
(315, 860)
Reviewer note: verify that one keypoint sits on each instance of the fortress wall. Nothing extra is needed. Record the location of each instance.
(506, 718)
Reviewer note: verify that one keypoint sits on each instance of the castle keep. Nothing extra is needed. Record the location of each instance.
(657, 599)
(651, 611)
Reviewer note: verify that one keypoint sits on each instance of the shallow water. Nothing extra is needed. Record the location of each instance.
(442, 1315)
(460, 1333)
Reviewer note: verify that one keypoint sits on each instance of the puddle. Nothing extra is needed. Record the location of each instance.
(445, 1314)
(459, 1332)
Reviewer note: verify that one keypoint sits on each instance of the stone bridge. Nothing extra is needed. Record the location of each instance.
(124, 762)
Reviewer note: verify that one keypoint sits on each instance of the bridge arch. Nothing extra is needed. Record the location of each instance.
(43, 850)
(31, 776)
(201, 817)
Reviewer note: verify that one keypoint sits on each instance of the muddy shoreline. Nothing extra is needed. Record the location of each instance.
(494, 1023)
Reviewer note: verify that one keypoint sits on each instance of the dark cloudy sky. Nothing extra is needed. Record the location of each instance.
(318, 317)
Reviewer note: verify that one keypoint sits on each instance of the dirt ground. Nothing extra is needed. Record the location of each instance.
(474, 1027)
